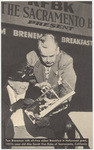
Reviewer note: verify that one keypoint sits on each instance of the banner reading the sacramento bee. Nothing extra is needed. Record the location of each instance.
(70, 17)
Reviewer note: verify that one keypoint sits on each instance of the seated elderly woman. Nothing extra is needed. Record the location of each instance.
(17, 95)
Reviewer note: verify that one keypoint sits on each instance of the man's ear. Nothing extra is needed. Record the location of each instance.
(57, 51)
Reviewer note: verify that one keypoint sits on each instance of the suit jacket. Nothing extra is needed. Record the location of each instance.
(63, 67)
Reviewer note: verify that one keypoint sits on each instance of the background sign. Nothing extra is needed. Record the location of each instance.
(36, 35)
(69, 17)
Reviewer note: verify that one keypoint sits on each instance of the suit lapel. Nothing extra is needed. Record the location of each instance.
(39, 71)
(53, 74)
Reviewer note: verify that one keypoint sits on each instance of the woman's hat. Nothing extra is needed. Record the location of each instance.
(21, 72)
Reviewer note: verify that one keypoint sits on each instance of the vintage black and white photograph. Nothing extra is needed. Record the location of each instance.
(46, 75)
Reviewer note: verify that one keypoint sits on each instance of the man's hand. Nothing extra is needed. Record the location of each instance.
(44, 85)
(42, 122)
(21, 103)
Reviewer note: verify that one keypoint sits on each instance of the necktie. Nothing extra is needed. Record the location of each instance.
(47, 72)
